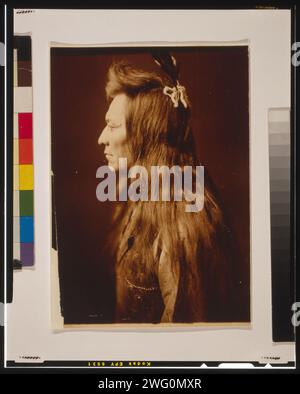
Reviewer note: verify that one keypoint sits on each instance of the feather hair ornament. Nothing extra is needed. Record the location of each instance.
(167, 63)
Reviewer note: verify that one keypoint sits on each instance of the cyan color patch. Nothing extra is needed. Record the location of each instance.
(26, 228)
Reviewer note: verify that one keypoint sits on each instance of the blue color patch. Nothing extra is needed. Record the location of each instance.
(26, 228)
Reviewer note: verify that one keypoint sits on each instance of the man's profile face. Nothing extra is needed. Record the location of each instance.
(113, 136)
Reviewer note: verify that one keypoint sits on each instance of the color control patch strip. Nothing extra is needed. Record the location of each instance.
(23, 211)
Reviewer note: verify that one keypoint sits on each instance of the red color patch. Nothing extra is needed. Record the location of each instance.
(25, 125)
(25, 151)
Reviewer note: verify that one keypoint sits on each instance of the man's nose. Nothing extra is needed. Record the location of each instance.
(103, 137)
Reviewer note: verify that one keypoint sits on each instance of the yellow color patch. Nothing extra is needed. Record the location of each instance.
(26, 177)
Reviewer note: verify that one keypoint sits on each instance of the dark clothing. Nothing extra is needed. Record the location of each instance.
(139, 299)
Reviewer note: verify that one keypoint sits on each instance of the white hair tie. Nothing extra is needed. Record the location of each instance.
(176, 93)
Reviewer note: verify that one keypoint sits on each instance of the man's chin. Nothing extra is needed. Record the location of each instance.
(117, 163)
(113, 165)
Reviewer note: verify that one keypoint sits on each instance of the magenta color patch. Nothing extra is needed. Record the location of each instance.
(26, 254)
(25, 125)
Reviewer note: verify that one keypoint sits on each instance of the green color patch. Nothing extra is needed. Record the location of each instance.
(26, 202)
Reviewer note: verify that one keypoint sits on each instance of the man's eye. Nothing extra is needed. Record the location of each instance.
(113, 126)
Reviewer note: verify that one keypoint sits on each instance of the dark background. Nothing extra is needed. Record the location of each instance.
(216, 79)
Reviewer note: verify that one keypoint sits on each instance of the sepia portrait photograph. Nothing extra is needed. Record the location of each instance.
(150, 184)
(152, 188)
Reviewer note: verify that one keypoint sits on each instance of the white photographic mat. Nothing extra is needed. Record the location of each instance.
(267, 33)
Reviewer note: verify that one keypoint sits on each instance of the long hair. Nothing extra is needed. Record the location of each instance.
(160, 134)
